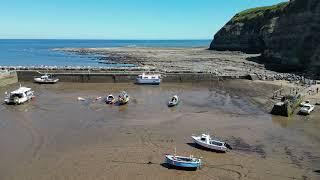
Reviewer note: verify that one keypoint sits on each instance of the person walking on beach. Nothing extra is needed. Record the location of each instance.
(317, 90)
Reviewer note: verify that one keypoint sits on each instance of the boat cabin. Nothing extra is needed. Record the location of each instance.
(19, 96)
(21, 92)
(205, 138)
(149, 76)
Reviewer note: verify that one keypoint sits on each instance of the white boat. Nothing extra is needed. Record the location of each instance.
(46, 79)
(81, 99)
(174, 101)
(153, 79)
(304, 102)
(110, 99)
(306, 109)
(206, 141)
(19, 96)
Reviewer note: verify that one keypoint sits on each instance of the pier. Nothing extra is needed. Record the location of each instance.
(112, 76)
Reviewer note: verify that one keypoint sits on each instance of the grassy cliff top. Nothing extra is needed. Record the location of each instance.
(259, 11)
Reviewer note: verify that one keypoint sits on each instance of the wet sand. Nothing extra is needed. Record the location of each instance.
(57, 137)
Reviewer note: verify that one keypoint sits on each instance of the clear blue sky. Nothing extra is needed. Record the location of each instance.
(119, 19)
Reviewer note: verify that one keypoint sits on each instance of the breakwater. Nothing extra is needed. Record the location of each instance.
(121, 76)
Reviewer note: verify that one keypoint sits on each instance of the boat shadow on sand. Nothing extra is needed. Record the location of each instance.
(204, 148)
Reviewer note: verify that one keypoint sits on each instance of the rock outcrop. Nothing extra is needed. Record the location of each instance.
(287, 34)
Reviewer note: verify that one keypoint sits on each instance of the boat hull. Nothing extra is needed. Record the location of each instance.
(170, 104)
(110, 102)
(171, 162)
(20, 101)
(148, 81)
(209, 146)
(110, 99)
(40, 81)
(123, 102)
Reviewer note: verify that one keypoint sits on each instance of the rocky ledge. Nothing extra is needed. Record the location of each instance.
(189, 60)
(287, 35)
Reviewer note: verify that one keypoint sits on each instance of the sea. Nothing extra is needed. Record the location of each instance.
(39, 52)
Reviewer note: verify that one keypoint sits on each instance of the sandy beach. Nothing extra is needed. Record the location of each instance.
(57, 137)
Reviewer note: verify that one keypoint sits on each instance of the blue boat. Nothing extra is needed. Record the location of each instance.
(183, 162)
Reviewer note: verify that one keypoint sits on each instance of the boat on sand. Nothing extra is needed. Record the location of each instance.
(174, 101)
(110, 99)
(183, 161)
(151, 79)
(123, 98)
(19, 96)
(206, 141)
(46, 79)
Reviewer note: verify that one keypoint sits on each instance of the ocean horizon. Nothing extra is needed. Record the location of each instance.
(38, 52)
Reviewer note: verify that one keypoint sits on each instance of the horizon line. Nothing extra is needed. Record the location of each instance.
(115, 39)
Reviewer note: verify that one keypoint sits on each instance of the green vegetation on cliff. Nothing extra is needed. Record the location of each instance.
(259, 11)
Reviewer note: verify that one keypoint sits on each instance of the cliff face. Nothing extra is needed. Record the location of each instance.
(244, 31)
(287, 34)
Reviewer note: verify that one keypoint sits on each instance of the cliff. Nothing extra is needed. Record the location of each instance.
(287, 34)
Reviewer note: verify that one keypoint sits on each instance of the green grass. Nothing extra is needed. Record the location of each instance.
(259, 11)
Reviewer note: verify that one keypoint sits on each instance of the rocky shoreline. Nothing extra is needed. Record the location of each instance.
(286, 34)
(192, 60)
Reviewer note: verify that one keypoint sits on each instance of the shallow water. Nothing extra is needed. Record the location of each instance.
(36, 52)
(55, 136)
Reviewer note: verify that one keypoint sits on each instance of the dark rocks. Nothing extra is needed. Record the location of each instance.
(245, 31)
(287, 34)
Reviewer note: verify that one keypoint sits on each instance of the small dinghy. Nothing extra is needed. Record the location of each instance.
(46, 79)
(183, 162)
(123, 98)
(110, 99)
(207, 142)
(174, 101)
(81, 99)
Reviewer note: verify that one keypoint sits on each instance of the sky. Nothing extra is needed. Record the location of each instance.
(118, 19)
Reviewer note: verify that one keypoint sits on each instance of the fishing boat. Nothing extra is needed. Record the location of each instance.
(110, 99)
(207, 142)
(152, 79)
(46, 79)
(183, 161)
(174, 101)
(19, 96)
(123, 98)
(306, 109)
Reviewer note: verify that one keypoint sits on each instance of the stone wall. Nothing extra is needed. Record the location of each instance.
(86, 77)
(8, 77)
